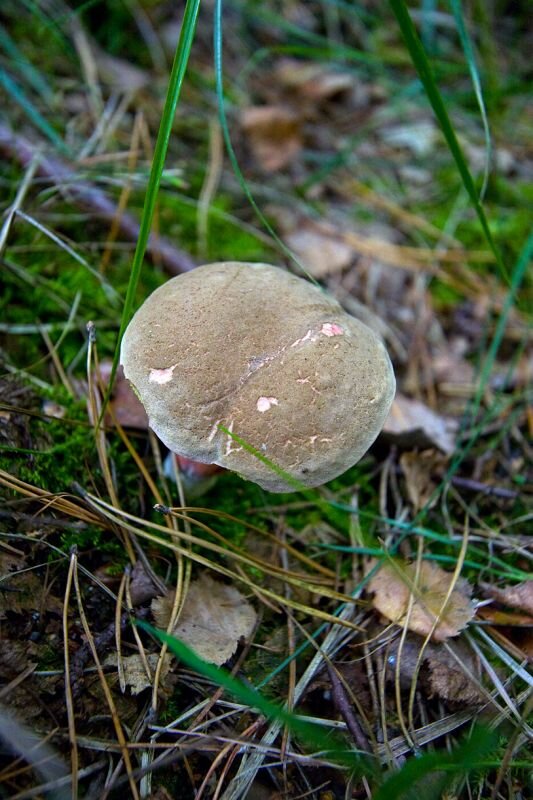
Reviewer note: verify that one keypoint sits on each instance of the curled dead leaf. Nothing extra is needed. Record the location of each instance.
(127, 408)
(421, 472)
(313, 81)
(519, 597)
(214, 619)
(135, 674)
(395, 583)
(321, 250)
(413, 424)
(273, 135)
(451, 671)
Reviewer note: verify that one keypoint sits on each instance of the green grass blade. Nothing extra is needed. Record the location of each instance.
(468, 50)
(423, 67)
(26, 69)
(519, 273)
(312, 734)
(333, 747)
(217, 47)
(14, 90)
(177, 75)
(296, 485)
(413, 780)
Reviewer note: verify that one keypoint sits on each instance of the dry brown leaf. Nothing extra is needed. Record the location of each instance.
(420, 470)
(23, 592)
(519, 596)
(142, 587)
(127, 408)
(215, 617)
(312, 81)
(393, 585)
(135, 674)
(273, 135)
(449, 678)
(321, 252)
(440, 674)
(413, 424)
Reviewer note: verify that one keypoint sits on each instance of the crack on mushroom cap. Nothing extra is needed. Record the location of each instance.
(294, 356)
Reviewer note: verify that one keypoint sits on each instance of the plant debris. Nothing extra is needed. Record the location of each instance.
(418, 597)
(413, 424)
(214, 619)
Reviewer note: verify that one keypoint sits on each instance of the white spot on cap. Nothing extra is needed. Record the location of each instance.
(264, 403)
(214, 430)
(161, 376)
(331, 329)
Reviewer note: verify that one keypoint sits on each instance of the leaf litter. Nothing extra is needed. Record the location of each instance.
(418, 597)
(351, 172)
(214, 620)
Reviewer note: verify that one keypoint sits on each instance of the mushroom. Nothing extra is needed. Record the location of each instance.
(256, 370)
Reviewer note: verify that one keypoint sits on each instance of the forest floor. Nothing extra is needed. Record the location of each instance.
(391, 609)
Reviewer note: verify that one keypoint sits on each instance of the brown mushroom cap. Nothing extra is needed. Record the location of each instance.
(266, 355)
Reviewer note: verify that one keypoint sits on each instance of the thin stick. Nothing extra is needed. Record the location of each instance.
(94, 200)
(69, 704)
(107, 692)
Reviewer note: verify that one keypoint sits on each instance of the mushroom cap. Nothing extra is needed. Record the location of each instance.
(269, 357)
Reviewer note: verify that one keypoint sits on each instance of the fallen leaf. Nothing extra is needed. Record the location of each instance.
(419, 137)
(273, 135)
(14, 658)
(420, 470)
(314, 81)
(519, 596)
(135, 676)
(321, 252)
(23, 590)
(449, 677)
(142, 587)
(440, 674)
(127, 408)
(214, 619)
(393, 585)
(413, 424)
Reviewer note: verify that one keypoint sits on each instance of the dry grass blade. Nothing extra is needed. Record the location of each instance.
(69, 705)
(293, 551)
(41, 757)
(136, 525)
(60, 502)
(105, 686)
(95, 409)
(251, 762)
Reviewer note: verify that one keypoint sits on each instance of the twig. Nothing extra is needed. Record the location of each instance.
(484, 488)
(345, 709)
(101, 642)
(69, 704)
(17, 147)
